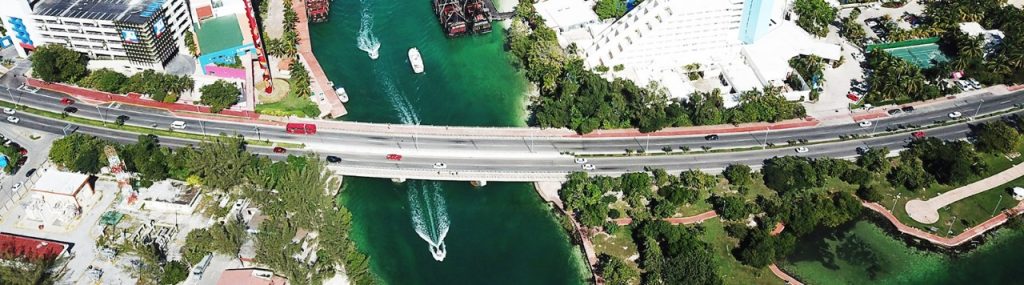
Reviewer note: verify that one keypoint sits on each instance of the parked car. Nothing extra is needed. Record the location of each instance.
(907, 109)
(66, 101)
(589, 167)
(711, 137)
(917, 134)
(333, 159)
(802, 149)
(440, 165)
(30, 172)
(13, 119)
(955, 115)
(278, 149)
(16, 187)
(580, 160)
(864, 124)
(9, 111)
(964, 85)
(895, 111)
(974, 83)
(70, 109)
(393, 156)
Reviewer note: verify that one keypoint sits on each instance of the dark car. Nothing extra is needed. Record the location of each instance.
(907, 109)
(895, 111)
(30, 172)
(862, 150)
(278, 149)
(70, 109)
(711, 137)
(333, 159)
(121, 119)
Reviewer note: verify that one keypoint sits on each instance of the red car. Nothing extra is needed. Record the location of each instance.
(917, 135)
(66, 101)
(853, 97)
(278, 149)
(394, 157)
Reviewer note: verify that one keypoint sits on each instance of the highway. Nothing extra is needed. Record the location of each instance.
(510, 158)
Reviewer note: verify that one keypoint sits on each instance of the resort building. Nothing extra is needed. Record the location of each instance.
(129, 35)
(58, 198)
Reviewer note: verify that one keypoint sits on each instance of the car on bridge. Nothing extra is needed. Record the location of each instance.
(278, 149)
(13, 119)
(70, 109)
(9, 111)
(66, 101)
(580, 160)
(802, 149)
(440, 165)
(392, 156)
(178, 125)
(864, 124)
(711, 137)
(589, 167)
(955, 114)
(333, 159)
(918, 135)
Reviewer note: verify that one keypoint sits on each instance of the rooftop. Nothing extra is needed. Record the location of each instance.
(566, 14)
(58, 182)
(132, 11)
(169, 191)
(219, 34)
(31, 248)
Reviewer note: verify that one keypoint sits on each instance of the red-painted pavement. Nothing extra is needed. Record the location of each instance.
(133, 99)
(945, 241)
(704, 130)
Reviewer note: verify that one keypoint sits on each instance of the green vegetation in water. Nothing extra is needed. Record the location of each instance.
(862, 253)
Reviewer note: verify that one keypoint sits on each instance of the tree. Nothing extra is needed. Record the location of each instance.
(950, 162)
(789, 173)
(105, 80)
(299, 80)
(737, 174)
(760, 249)
(78, 152)
(870, 193)
(875, 160)
(815, 16)
(679, 195)
(56, 63)
(147, 158)
(173, 273)
(219, 95)
(586, 197)
(616, 271)
(730, 207)
(190, 42)
(610, 9)
(697, 179)
(997, 137)
(220, 163)
(910, 173)
(636, 187)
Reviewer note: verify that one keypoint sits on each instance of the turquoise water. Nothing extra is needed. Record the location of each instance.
(862, 253)
(499, 234)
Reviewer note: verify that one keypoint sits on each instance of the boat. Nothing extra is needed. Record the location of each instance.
(438, 251)
(374, 54)
(342, 95)
(416, 60)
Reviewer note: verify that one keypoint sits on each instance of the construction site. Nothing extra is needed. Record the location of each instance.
(462, 17)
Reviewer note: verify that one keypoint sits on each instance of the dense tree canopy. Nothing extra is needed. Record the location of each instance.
(896, 80)
(737, 174)
(105, 80)
(950, 162)
(616, 271)
(814, 16)
(219, 95)
(78, 153)
(997, 137)
(788, 173)
(610, 9)
(56, 63)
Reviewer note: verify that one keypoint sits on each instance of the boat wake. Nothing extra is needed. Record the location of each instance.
(429, 216)
(402, 106)
(367, 41)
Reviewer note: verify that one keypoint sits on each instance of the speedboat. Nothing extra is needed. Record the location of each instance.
(374, 54)
(342, 95)
(415, 60)
(438, 251)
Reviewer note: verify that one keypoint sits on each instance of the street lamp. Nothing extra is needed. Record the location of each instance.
(766, 131)
(981, 101)
(997, 205)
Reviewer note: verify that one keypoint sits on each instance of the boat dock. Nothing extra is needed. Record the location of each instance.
(462, 17)
(331, 105)
(318, 10)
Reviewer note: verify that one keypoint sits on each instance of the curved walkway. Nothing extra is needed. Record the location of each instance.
(695, 219)
(967, 235)
(927, 211)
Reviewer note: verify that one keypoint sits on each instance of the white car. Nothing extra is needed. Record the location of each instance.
(16, 187)
(581, 160)
(9, 111)
(802, 150)
(865, 124)
(440, 165)
(13, 120)
(589, 167)
(955, 115)
(178, 125)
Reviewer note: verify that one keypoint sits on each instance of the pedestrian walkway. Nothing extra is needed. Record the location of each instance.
(318, 77)
(927, 211)
(967, 235)
(695, 219)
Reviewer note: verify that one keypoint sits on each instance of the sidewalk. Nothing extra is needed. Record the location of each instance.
(943, 241)
(318, 78)
(131, 98)
(927, 211)
(695, 219)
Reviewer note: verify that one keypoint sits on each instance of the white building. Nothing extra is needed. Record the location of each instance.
(58, 198)
(168, 196)
(119, 34)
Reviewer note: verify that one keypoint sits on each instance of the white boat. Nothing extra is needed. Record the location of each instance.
(416, 60)
(342, 95)
(374, 54)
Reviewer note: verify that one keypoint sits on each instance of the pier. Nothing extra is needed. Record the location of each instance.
(332, 105)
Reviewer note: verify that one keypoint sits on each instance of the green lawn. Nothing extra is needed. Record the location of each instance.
(618, 243)
(969, 212)
(290, 106)
(731, 270)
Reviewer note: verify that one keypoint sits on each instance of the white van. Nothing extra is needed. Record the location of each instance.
(178, 124)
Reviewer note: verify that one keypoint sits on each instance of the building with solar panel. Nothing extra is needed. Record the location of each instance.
(118, 34)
